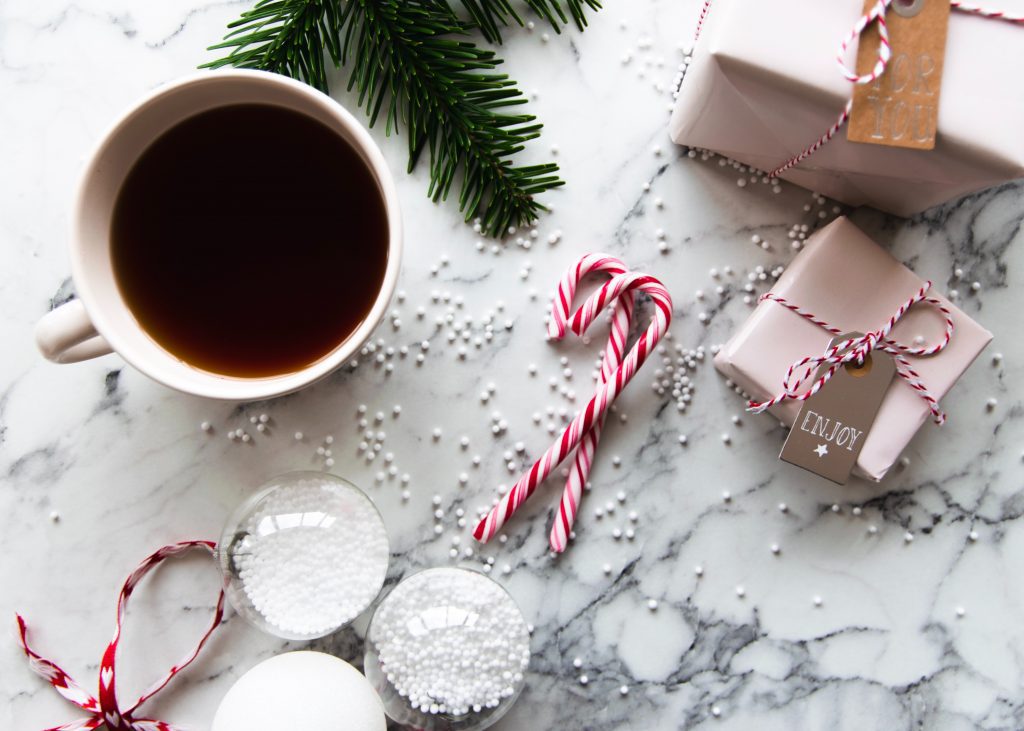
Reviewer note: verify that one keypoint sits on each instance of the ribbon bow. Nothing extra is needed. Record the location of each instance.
(105, 710)
(856, 349)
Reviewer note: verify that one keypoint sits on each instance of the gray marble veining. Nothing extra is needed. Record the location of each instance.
(123, 464)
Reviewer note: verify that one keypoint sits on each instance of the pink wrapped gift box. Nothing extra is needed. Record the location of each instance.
(763, 84)
(847, 280)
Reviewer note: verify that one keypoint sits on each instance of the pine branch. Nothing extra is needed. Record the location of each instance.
(490, 15)
(406, 66)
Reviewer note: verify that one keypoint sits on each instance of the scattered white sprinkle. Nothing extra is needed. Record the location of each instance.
(652, 604)
(960, 612)
(908, 537)
(775, 549)
(741, 592)
(206, 426)
(818, 601)
(298, 436)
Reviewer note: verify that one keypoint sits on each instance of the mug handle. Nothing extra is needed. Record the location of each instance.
(66, 335)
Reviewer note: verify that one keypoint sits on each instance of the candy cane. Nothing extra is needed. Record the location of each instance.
(622, 313)
(600, 402)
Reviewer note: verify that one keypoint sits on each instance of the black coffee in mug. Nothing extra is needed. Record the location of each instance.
(249, 240)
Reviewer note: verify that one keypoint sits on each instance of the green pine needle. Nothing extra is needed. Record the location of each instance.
(411, 66)
(490, 15)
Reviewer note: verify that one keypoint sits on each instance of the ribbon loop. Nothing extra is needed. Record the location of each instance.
(794, 383)
(875, 15)
(105, 709)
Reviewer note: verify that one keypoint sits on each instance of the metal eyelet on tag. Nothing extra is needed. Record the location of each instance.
(907, 8)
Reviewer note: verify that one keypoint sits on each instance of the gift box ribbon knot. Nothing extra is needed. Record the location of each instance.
(855, 350)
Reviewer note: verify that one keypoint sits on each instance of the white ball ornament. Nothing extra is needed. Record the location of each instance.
(310, 691)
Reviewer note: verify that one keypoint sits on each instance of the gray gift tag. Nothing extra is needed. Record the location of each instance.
(833, 424)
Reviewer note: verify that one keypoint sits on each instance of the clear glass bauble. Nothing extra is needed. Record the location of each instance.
(304, 556)
(447, 650)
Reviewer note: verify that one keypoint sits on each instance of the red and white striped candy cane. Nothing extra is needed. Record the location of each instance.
(105, 709)
(622, 313)
(602, 399)
(857, 349)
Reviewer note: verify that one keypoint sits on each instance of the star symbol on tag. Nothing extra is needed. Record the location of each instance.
(821, 450)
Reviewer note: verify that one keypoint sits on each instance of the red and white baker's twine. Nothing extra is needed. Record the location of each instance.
(875, 15)
(104, 709)
(622, 285)
(856, 350)
(622, 314)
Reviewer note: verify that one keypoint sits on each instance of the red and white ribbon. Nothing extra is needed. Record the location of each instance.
(622, 314)
(794, 384)
(104, 709)
(621, 285)
(874, 16)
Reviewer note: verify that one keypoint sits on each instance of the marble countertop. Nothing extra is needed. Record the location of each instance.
(99, 466)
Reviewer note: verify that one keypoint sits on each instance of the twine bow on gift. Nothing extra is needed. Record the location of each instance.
(104, 709)
(856, 350)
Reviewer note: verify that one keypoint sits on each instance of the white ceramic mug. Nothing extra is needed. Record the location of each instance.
(99, 321)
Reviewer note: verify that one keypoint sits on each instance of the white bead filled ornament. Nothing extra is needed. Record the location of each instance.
(304, 556)
(304, 691)
(447, 650)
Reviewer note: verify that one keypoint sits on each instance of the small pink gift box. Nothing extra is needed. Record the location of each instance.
(763, 84)
(847, 280)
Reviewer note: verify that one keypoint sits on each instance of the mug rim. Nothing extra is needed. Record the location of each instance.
(213, 385)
